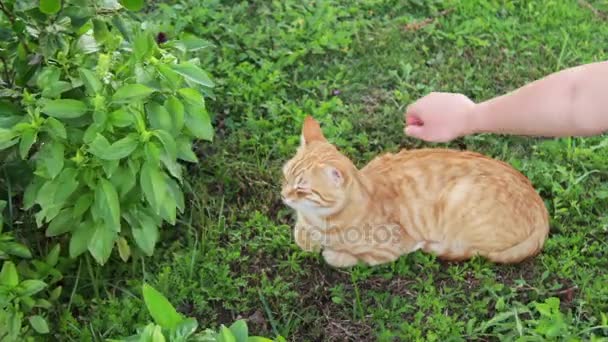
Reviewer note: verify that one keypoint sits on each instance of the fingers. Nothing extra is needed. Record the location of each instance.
(416, 132)
(414, 125)
(414, 120)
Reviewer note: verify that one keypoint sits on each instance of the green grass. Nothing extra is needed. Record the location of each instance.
(356, 67)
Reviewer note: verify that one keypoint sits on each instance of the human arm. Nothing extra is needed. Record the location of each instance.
(571, 102)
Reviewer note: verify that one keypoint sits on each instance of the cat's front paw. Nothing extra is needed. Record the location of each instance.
(339, 259)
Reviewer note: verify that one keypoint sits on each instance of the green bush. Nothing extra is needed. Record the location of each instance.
(26, 289)
(171, 326)
(103, 110)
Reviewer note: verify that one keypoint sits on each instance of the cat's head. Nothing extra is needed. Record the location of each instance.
(316, 180)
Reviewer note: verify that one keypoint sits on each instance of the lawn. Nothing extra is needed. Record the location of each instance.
(355, 66)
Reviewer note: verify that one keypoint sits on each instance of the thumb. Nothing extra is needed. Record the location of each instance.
(416, 131)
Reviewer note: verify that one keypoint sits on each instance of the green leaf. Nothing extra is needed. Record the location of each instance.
(101, 34)
(133, 5)
(9, 276)
(49, 81)
(39, 324)
(50, 6)
(62, 223)
(239, 330)
(55, 127)
(9, 109)
(119, 23)
(28, 138)
(168, 209)
(143, 46)
(152, 152)
(82, 205)
(43, 303)
(121, 118)
(177, 195)
(7, 122)
(91, 132)
(106, 200)
(48, 76)
(51, 156)
(110, 166)
(132, 92)
(56, 89)
(67, 183)
(30, 287)
(8, 138)
(90, 80)
(100, 117)
(99, 145)
(31, 192)
(186, 328)
(184, 150)
(197, 118)
(171, 164)
(101, 243)
(177, 112)
(65, 108)
(153, 185)
(123, 249)
(17, 249)
(15, 325)
(158, 336)
(53, 257)
(199, 123)
(161, 310)
(158, 116)
(258, 339)
(79, 240)
(122, 148)
(193, 73)
(145, 233)
(225, 335)
(168, 142)
(172, 77)
(192, 43)
(124, 180)
(27, 301)
(55, 293)
(46, 194)
(146, 334)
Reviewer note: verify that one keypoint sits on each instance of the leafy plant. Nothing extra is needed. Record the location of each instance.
(104, 114)
(169, 325)
(21, 297)
(541, 320)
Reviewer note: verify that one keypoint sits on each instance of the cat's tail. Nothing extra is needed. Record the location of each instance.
(530, 247)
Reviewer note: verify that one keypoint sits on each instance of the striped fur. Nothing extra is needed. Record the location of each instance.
(451, 203)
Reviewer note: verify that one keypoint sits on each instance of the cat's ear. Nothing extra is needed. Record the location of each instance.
(311, 131)
(335, 175)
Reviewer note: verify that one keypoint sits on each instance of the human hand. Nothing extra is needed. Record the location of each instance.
(439, 117)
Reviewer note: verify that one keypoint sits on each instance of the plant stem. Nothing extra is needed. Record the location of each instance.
(93, 277)
(75, 286)
(7, 76)
(9, 199)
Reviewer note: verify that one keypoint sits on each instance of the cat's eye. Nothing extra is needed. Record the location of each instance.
(302, 189)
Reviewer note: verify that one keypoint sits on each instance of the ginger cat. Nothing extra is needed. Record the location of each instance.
(451, 203)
